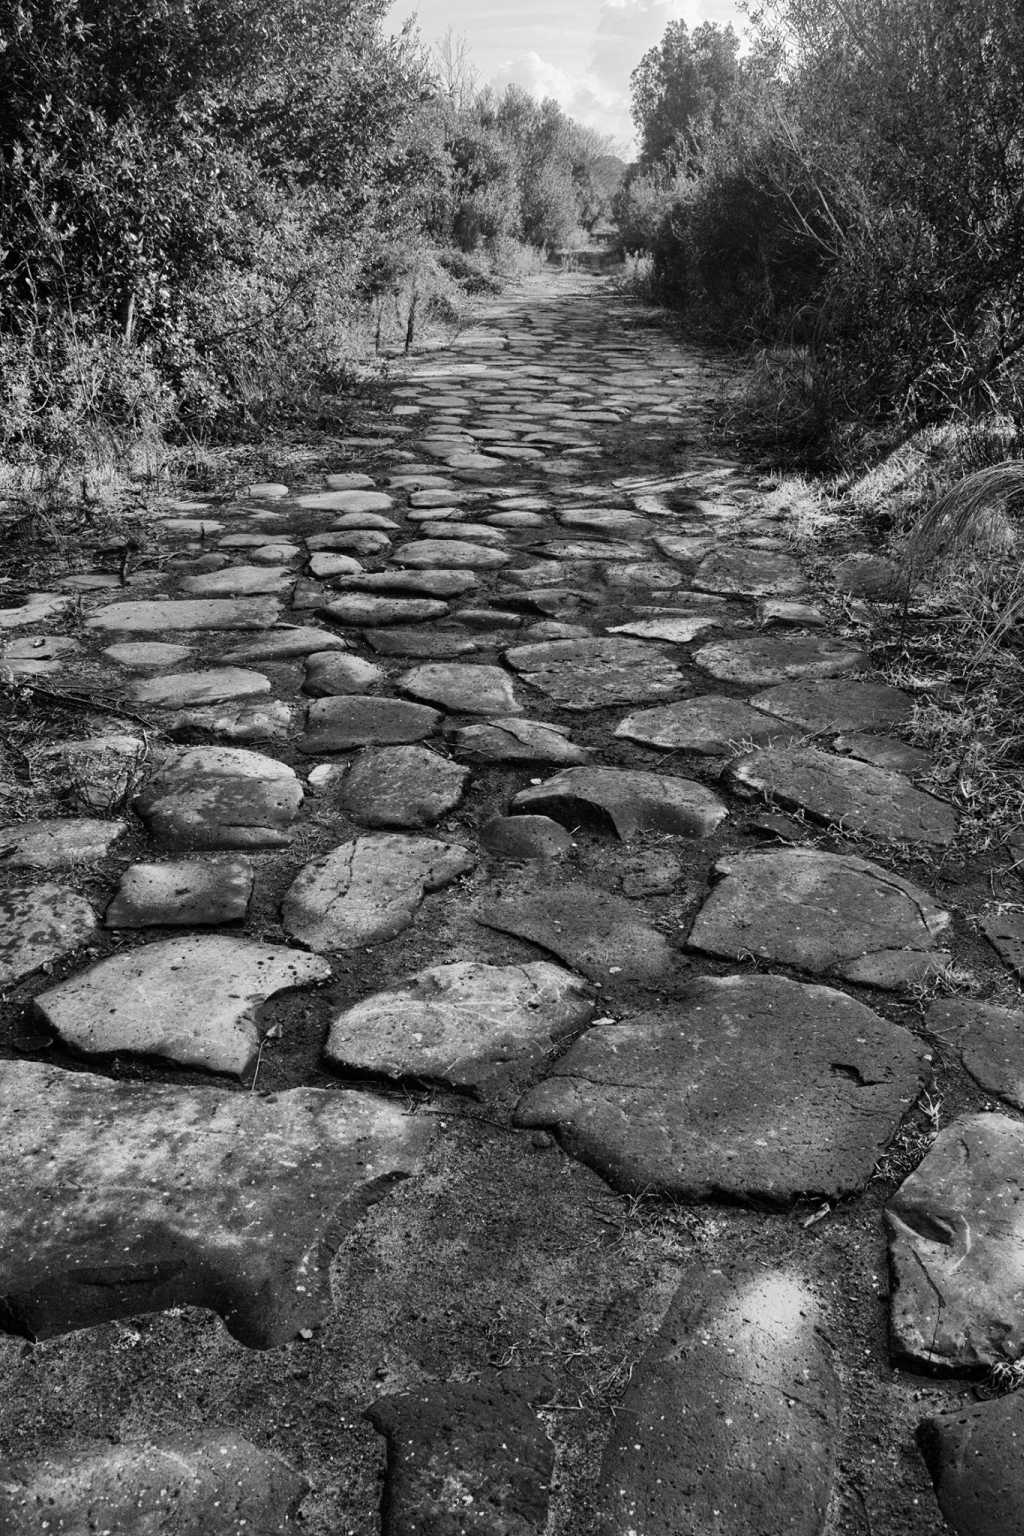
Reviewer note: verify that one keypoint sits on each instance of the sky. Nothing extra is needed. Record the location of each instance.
(581, 52)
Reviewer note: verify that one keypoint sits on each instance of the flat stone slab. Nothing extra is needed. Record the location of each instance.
(625, 801)
(126, 1197)
(329, 674)
(465, 1024)
(215, 685)
(221, 797)
(356, 541)
(38, 924)
(594, 674)
(285, 643)
(216, 1483)
(599, 935)
(467, 1457)
(419, 641)
(732, 1417)
(368, 889)
(956, 1247)
(749, 573)
(678, 1100)
(191, 892)
(674, 629)
(427, 553)
(711, 726)
(525, 838)
(472, 533)
(775, 658)
(192, 1000)
(436, 584)
(240, 581)
(147, 655)
(515, 740)
(197, 613)
(346, 501)
(973, 1455)
(786, 610)
(823, 707)
(366, 609)
(35, 608)
(462, 689)
(401, 787)
(826, 913)
(846, 793)
(989, 1039)
(268, 720)
(59, 842)
(337, 724)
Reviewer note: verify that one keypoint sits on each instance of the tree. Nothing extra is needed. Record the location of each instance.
(685, 81)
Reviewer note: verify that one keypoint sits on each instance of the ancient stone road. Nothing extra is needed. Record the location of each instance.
(481, 1000)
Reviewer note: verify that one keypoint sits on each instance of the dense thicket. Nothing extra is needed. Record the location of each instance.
(854, 185)
(206, 205)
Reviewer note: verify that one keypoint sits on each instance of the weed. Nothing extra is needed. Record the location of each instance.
(913, 1141)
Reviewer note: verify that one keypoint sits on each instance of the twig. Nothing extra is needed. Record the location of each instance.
(83, 701)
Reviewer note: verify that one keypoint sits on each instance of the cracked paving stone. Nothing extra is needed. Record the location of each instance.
(885, 752)
(193, 1000)
(956, 1246)
(428, 553)
(59, 842)
(368, 889)
(990, 1042)
(466, 1024)
(592, 674)
(516, 741)
(404, 786)
(826, 913)
(39, 924)
(340, 722)
(599, 935)
(220, 797)
(731, 1420)
(216, 685)
(216, 1483)
(285, 643)
(191, 891)
(973, 1455)
(776, 658)
(750, 573)
(752, 1088)
(462, 689)
(158, 617)
(625, 801)
(525, 837)
(98, 773)
(821, 708)
(847, 793)
(710, 726)
(129, 1197)
(467, 1458)
(367, 609)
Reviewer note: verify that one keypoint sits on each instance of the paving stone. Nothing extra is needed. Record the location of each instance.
(847, 793)
(677, 629)
(775, 658)
(338, 724)
(443, 553)
(99, 773)
(148, 655)
(329, 674)
(625, 801)
(365, 608)
(215, 685)
(749, 573)
(34, 608)
(368, 889)
(220, 797)
(401, 787)
(610, 520)
(59, 842)
(415, 641)
(885, 752)
(782, 610)
(269, 490)
(37, 655)
(461, 689)
(191, 892)
(287, 642)
(349, 480)
(516, 740)
(956, 1240)
(989, 1040)
(324, 566)
(593, 674)
(346, 501)
(129, 1197)
(192, 1000)
(731, 1419)
(525, 837)
(217, 1483)
(267, 720)
(465, 1024)
(1005, 932)
(821, 708)
(711, 726)
(160, 617)
(517, 519)
(240, 581)
(678, 1101)
(369, 542)
(551, 629)
(973, 1455)
(475, 533)
(826, 913)
(646, 575)
(597, 934)
(434, 584)
(40, 924)
(466, 1457)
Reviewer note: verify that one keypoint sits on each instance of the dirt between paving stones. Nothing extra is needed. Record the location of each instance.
(502, 1252)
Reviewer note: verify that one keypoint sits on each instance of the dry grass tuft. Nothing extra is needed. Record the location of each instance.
(972, 516)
